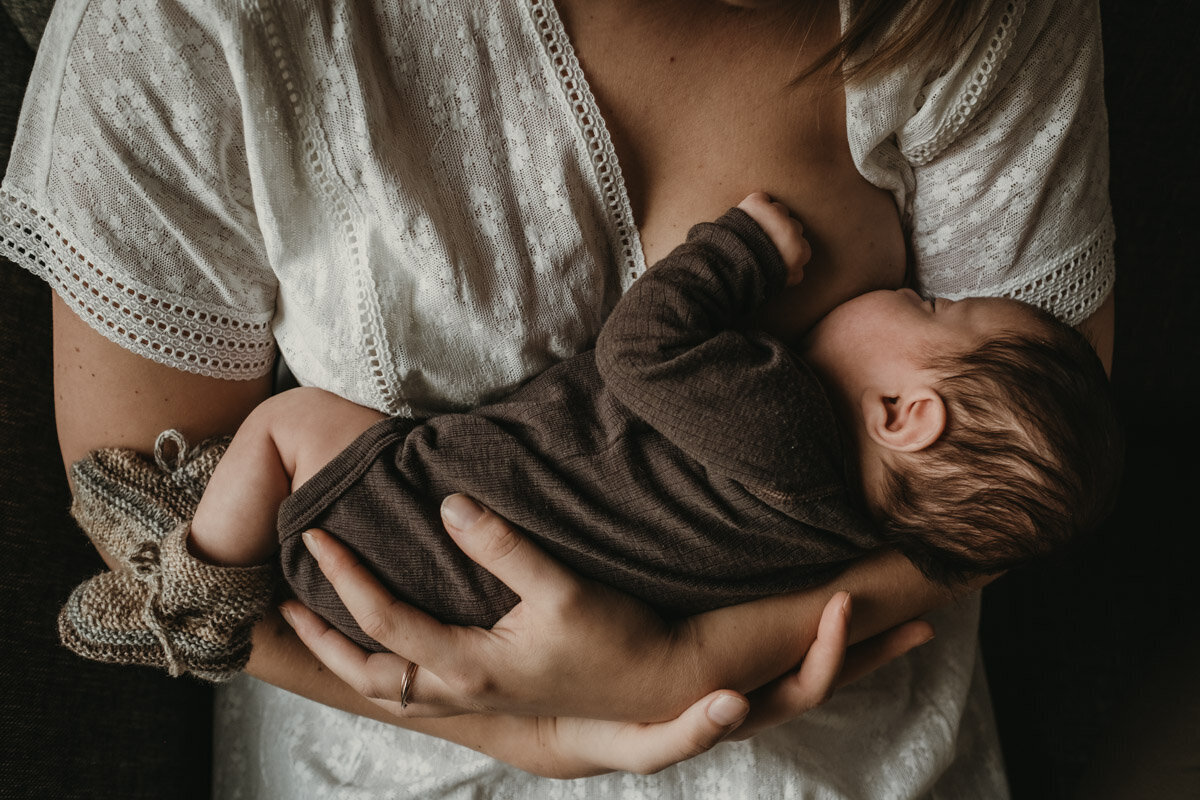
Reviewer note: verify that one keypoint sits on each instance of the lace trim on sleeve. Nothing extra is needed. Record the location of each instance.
(1077, 286)
(976, 90)
(207, 341)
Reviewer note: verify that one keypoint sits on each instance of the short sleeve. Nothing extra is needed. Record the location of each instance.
(128, 189)
(1001, 162)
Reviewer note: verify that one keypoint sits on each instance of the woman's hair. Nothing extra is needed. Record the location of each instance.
(932, 31)
(1030, 457)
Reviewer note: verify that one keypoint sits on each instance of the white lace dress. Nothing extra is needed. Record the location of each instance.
(419, 205)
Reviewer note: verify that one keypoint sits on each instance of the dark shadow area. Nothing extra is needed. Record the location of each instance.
(69, 728)
(1095, 676)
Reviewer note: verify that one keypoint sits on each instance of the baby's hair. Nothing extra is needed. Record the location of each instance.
(1030, 457)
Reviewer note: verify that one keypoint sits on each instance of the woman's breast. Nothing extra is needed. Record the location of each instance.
(703, 113)
(852, 226)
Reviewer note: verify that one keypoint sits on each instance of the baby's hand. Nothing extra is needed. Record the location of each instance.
(784, 230)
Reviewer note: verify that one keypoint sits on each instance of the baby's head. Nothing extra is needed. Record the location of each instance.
(986, 429)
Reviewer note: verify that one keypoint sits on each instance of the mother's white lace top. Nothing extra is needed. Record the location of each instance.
(418, 203)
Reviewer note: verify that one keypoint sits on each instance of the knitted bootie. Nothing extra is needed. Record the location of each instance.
(170, 610)
(122, 500)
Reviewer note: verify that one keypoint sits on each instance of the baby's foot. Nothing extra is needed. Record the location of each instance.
(123, 500)
(170, 610)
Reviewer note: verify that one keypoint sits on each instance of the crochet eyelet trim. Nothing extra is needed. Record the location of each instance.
(558, 49)
(1074, 289)
(166, 330)
(373, 342)
(977, 90)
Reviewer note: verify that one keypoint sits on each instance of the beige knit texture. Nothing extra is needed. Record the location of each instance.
(122, 499)
(164, 607)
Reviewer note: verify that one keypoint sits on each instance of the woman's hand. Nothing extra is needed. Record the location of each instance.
(576, 747)
(565, 649)
(574, 647)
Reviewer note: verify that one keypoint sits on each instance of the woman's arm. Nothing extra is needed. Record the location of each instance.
(107, 396)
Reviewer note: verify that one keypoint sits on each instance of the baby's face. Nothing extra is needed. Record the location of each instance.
(885, 335)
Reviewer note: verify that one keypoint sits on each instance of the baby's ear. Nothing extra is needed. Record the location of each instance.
(905, 423)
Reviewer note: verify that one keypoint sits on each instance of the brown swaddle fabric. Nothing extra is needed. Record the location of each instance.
(689, 460)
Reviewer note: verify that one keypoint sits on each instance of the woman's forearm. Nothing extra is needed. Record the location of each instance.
(742, 647)
(555, 748)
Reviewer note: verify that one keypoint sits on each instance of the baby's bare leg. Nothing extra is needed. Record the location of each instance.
(283, 443)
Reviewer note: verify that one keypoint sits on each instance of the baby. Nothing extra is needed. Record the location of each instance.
(690, 460)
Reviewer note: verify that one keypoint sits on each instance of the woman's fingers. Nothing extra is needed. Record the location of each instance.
(405, 631)
(695, 731)
(829, 665)
(797, 692)
(651, 747)
(871, 654)
(565, 647)
(377, 676)
(461, 667)
(396, 625)
(818, 673)
(492, 543)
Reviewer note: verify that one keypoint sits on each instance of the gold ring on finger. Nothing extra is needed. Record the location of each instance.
(407, 684)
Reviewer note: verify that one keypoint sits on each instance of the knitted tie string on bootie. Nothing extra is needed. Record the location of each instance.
(171, 610)
(147, 566)
(189, 468)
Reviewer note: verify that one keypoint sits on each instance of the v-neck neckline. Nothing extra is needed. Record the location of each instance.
(597, 139)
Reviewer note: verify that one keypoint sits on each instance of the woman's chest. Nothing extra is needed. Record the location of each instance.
(702, 106)
(464, 198)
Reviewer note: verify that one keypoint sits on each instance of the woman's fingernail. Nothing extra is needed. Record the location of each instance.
(312, 544)
(727, 709)
(846, 604)
(460, 511)
(287, 616)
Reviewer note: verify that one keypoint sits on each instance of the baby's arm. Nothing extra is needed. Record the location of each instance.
(681, 350)
(285, 441)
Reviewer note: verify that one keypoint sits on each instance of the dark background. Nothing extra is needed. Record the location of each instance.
(1093, 661)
